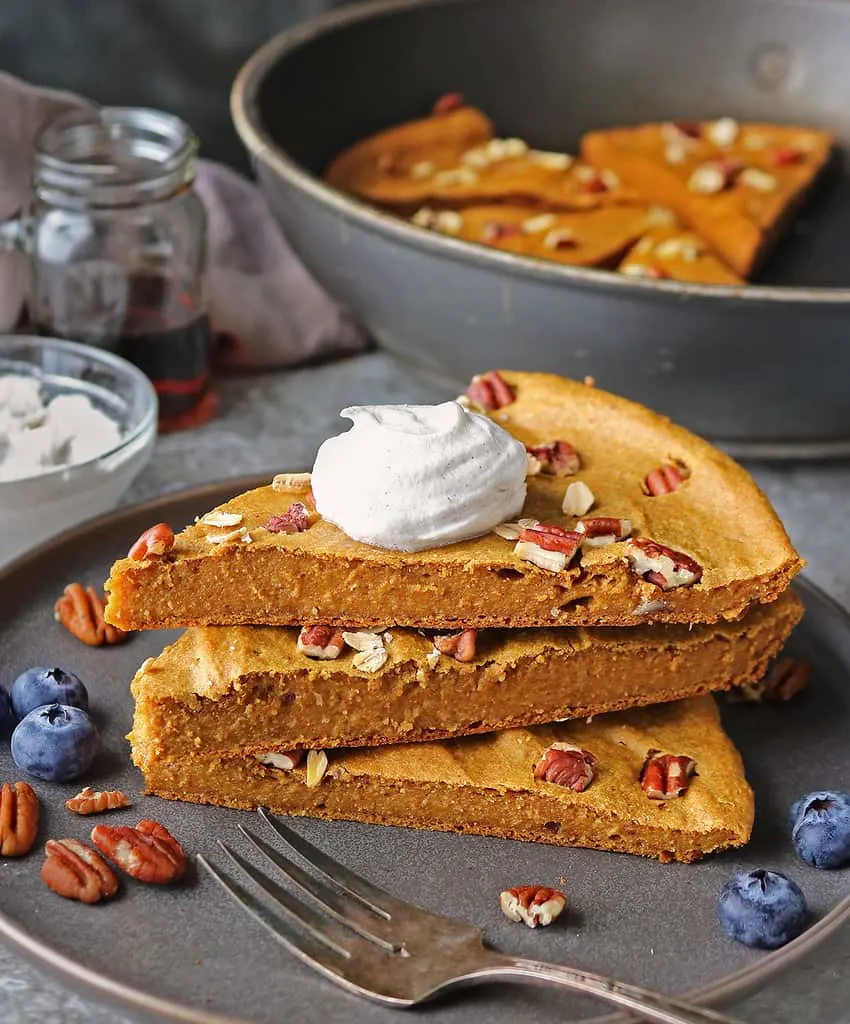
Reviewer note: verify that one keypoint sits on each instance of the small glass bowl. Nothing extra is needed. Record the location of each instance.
(37, 507)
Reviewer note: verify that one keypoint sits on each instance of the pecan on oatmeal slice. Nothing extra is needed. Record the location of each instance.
(666, 776)
(490, 391)
(663, 566)
(460, 646)
(556, 458)
(548, 547)
(566, 765)
(322, 642)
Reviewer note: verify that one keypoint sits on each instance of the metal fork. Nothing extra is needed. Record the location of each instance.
(393, 952)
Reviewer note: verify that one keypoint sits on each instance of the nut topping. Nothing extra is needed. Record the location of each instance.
(460, 646)
(75, 871)
(449, 101)
(599, 531)
(90, 801)
(493, 231)
(556, 458)
(566, 765)
(285, 761)
(723, 131)
(666, 776)
(422, 169)
(449, 222)
(532, 904)
(238, 536)
(371, 653)
(665, 479)
(541, 222)
(296, 519)
(154, 542)
(641, 270)
(511, 531)
(549, 160)
(761, 181)
(560, 238)
(18, 819)
(291, 482)
(578, 499)
(317, 765)
(786, 156)
(663, 566)
(708, 179)
(148, 852)
(785, 679)
(81, 612)
(548, 547)
(490, 391)
(223, 519)
(682, 130)
(322, 642)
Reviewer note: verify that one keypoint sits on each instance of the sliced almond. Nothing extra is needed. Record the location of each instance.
(238, 536)
(291, 482)
(370, 660)
(317, 765)
(554, 561)
(551, 161)
(363, 640)
(217, 518)
(578, 499)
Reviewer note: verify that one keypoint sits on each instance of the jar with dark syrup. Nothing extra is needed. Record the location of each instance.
(117, 241)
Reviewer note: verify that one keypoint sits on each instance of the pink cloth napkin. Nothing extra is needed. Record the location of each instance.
(271, 311)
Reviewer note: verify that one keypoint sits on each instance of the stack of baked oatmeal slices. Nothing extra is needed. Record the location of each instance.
(503, 615)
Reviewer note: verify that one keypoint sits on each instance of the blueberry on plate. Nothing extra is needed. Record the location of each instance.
(762, 908)
(55, 742)
(821, 828)
(38, 686)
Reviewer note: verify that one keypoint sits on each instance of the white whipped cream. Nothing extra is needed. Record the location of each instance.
(410, 477)
(37, 436)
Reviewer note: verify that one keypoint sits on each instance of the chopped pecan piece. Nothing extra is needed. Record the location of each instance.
(460, 646)
(490, 391)
(217, 518)
(666, 776)
(156, 541)
(371, 653)
(81, 612)
(18, 819)
(661, 565)
(785, 679)
(566, 765)
(665, 479)
(295, 519)
(532, 904)
(786, 156)
(578, 499)
(690, 129)
(75, 871)
(90, 801)
(322, 642)
(147, 852)
(449, 101)
(549, 547)
(284, 760)
(556, 458)
(494, 231)
(511, 531)
(599, 531)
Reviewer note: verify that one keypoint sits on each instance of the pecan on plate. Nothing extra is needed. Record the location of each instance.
(460, 646)
(296, 519)
(532, 904)
(665, 479)
(156, 541)
(548, 547)
(783, 681)
(666, 776)
(556, 458)
(598, 531)
(77, 872)
(148, 852)
(90, 801)
(661, 565)
(490, 391)
(81, 612)
(18, 819)
(322, 642)
(566, 765)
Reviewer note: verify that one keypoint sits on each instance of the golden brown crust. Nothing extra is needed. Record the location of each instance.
(242, 688)
(718, 515)
(485, 785)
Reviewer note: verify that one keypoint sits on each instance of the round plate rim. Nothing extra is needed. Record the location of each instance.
(102, 987)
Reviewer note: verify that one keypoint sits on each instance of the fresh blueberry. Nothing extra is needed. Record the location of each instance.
(38, 686)
(8, 718)
(821, 830)
(55, 742)
(762, 908)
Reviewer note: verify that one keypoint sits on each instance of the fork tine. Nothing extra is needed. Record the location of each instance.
(378, 901)
(339, 905)
(315, 924)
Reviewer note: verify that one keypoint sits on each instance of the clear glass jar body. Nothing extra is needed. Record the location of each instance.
(117, 241)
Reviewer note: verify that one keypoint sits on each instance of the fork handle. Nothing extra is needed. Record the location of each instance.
(650, 1006)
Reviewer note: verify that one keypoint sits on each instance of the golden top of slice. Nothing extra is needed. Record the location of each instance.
(677, 254)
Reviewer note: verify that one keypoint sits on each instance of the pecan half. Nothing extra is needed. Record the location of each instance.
(490, 391)
(597, 531)
(661, 565)
(566, 765)
(460, 646)
(785, 679)
(665, 479)
(18, 819)
(556, 458)
(322, 642)
(75, 871)
(156, 541)
(449, 101)
(532, 904)
(81, 612)
(296, 519)
(283, 760)
(666, 776)
(147, 852)
(90, 801)
(548, 547)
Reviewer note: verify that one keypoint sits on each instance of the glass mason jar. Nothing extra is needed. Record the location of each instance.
(117, 242)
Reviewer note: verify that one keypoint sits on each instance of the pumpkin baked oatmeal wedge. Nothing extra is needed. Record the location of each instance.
(627, 520)
(251, 689)
(738, 185)
(663, 782)
(676, 254)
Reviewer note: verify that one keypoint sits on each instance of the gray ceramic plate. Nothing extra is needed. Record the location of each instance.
(188, 954)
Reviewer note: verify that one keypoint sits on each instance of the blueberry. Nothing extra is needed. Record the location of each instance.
(38, 686)
(762, 908)
(54, 742)
(821, 830)
(8, 718)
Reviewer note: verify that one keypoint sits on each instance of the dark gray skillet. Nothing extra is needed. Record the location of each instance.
(764, 369)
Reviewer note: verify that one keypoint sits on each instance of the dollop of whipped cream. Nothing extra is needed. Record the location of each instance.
(410, 477)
